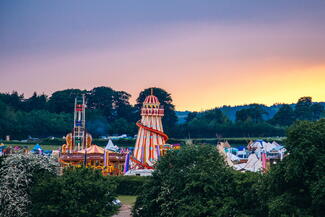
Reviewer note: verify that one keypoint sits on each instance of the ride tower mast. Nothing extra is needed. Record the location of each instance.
(79, 128)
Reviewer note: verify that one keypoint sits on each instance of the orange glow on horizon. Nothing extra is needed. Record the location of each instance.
(270, 88)
(202, 66)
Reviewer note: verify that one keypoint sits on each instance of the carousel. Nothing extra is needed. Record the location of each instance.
(79, 150)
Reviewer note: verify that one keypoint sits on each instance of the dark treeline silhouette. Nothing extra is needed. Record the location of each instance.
(251, 120)
(110, 112)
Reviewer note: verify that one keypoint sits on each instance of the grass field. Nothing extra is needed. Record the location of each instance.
(127, 199)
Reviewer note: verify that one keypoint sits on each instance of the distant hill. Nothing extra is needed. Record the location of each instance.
(182, 115)
(230, 111)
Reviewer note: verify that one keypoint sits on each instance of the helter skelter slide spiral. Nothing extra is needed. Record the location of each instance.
(151, 138)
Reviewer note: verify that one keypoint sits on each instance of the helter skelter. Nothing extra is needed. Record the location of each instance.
(151, 137)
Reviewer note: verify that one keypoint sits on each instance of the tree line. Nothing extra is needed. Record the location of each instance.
(110, 112)
(250, 121)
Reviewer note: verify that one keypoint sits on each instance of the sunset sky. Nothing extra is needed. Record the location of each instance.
(205, 53)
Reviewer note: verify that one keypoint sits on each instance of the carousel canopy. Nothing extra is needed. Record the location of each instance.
(93, 149)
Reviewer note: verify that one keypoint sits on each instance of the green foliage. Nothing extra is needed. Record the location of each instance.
(317, 111)
(18, 174)
(250, 121)
(77, 193)
(109, 112)
(14, 100)
(195, 181)
(121, 125)
(200, 128)
(97, 123)
(209, 123)
(63, 101)
(284, 117)
(253, 114)
(303, 108)
(101, 99)
(36, 102)
(297, 183)
(129, 185)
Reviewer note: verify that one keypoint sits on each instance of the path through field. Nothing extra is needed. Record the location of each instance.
(124, 211)
(127, 203)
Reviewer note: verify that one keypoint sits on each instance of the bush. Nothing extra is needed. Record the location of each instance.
(195, 181)
(129, 185)
(78, 192)
(18, 174)
(296, 184)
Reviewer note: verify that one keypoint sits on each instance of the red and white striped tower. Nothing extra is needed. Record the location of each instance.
(151, 137)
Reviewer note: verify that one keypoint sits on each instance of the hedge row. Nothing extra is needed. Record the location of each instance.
(126, 185)
(129, 185)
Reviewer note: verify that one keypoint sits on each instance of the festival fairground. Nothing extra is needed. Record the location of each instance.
(112, 160)
(151, 144)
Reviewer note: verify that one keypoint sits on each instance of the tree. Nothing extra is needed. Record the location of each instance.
(123, 108)
(284, 117)
(14, 100)
(208, 123)
(191, 116)
(303, 108)
(195, 181)
(254, 113)
(18, 174)
(121, 126)
(35, 102)
(78, 192)
(296, 185)
(8, 120)
(63, 101)
(42, 123)
(97, 124)
(102, 100)
(165, 99)
(317, 110)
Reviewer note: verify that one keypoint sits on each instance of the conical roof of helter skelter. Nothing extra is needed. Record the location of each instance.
(151, 100)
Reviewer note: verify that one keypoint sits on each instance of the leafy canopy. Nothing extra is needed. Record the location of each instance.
(77, 193)
(18, 175)
(195, 181)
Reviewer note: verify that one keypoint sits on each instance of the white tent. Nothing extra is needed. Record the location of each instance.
(265, 146)
(240, 166)
(140, 172)
(258, 144)
(269, 146)
(232, 157)
(110, 146)
(254, 164)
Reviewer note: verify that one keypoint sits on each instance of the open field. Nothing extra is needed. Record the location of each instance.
(127, 199)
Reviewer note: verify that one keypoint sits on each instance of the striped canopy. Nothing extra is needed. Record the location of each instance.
(93, 149)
